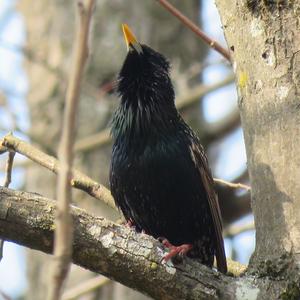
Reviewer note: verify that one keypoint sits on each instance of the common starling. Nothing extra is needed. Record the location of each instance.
(159, 176)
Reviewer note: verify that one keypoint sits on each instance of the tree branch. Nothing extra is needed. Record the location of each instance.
(85, 287)
(79, 180)
(8, 170)
(110, 249)
(130, 258)
(63, 223)
(192, 26)
(233, 185)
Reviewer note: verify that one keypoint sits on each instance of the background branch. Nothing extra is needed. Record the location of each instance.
(192, 26)
(233, 185)
(78, 180)
(85, 287)
(8, 170)
(64, 229)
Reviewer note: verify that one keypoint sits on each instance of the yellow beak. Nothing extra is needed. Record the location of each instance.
(130, 39)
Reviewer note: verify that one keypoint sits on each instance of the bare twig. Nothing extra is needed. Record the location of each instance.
(191, 25)
(200, 90)
(233, 185)
(8, 170)
(17, 164)
(85, 287)
(32, 56)
(103, 137)
(5, 297)
(64, 230)
(93, 141)
(78, 180)
(234, 229)
(219, 129)
(1, 249)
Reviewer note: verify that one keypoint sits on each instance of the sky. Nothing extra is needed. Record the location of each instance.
(232, 159)
(14, 83)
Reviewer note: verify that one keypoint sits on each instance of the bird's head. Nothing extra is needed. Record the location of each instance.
(144, 77)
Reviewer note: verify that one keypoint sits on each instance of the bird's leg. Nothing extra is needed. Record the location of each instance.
(129, 223)
(175, 250)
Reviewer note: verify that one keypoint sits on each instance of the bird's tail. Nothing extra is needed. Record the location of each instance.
(203, 251)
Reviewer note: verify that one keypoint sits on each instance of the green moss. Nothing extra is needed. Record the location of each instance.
(276, 267)
(292, 292)
(153, 266)
(52, 227)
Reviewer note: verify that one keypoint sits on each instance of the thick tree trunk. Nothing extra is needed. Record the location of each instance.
(264, 40)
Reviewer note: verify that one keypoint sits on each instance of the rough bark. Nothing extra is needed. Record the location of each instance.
(113, 250)
(121, 254)
(264, 39)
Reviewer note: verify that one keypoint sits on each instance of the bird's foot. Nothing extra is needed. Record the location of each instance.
(129, 223)
(175, 250)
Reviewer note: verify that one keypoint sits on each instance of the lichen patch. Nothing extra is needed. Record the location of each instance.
(246, 291)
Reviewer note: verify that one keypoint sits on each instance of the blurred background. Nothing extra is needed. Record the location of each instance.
(35, 45)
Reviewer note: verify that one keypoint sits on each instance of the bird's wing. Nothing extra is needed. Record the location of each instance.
(200, 159)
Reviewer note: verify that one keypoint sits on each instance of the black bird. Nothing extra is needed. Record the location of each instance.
(159, 174)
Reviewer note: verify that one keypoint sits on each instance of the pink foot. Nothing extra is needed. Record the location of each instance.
(129, 223)
(175, 250)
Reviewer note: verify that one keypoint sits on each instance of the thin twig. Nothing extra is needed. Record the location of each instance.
(234, 229)
(32, 56)
(233, 185)
(5, 297)
(1, 249)
(78, 180)
(17, 164)
(92, 141)
(63, 238)
(85, 287)
(8, 170)
(191, 25)
(200, 90)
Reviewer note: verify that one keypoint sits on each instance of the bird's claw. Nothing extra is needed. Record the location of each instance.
(129, 223)
(175, 250)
